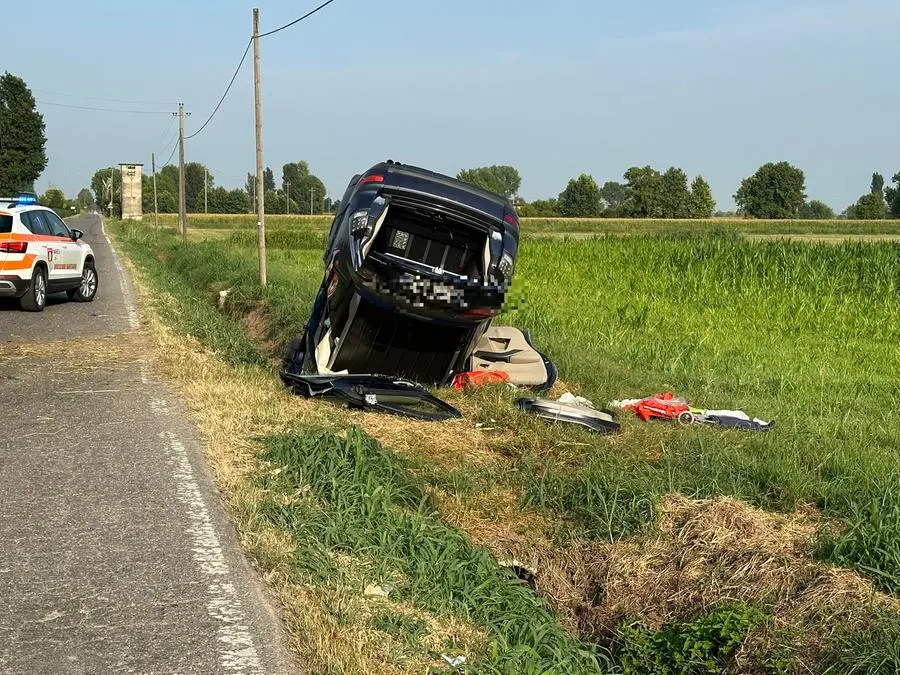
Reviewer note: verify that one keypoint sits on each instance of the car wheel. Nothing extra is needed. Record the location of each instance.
(88, 287)
(35, 297)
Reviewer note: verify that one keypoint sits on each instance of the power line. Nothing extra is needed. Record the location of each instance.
(227, 89)
(171, 155)
(113, 110)
(288, 25)
(97, 98)
(167, 132)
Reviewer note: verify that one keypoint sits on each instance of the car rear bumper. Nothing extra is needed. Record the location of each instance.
(13, 287)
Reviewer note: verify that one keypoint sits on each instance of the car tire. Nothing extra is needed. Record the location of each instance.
(35, 298)
(87, 289)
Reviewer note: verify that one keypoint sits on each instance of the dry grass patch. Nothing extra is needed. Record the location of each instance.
(706, 552)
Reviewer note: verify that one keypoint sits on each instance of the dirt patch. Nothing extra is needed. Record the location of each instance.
(705, 552)
(257, 325)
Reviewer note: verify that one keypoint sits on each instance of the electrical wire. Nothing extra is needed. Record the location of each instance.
(244, 57)
(171, 155)
(288, 25)
(167, 132)
(113, 110)
(227, 89)
(97, 98)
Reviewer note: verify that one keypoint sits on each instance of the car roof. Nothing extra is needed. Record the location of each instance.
(12, 206)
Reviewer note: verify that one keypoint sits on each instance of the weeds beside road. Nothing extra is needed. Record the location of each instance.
(628, 542)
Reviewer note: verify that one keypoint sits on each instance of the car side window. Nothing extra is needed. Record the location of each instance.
(57, 226)
(34, 221)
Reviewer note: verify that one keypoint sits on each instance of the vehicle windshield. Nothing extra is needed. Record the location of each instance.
(5, 223)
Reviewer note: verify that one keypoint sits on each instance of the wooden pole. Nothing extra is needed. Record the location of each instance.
(260, 183)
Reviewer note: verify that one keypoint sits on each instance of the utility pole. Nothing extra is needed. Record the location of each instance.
(205, 188)
(182, 218)
(260, 194)
(155, 203)
(287, 194)
(112, 189)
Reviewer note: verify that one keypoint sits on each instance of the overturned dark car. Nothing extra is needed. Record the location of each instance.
(417, 266)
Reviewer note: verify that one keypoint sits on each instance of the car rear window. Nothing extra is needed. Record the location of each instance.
(5, 223)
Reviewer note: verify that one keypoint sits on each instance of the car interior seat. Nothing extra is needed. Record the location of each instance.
(507, 349)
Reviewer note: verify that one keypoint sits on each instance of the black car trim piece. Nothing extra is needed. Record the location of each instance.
(373, 392)
(498, 357)
(595, 420)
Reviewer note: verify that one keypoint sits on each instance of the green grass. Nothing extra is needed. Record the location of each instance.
(803, 334)
(321, 223)
(365, 503)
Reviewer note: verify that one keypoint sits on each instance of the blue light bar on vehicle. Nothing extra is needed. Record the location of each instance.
(26, 198)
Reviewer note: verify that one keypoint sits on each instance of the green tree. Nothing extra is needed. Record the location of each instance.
(545, 208)
(774, 191)
(22, 139)
(194, 177)
(268, 179)
(892, 195)
(674, 199)
(107, 187)
(615, 195)
(877, 184)
(702, 204)
(503, 180)
(643, 188)
(222, 200)
(54, 198)
(306, 190)
(85, 199)
(581, 198)
(869, 207)
(816, 210)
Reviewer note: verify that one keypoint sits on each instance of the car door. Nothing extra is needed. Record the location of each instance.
(50, 250)
(67, 264)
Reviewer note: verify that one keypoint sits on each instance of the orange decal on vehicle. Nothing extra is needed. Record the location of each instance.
(17, 265)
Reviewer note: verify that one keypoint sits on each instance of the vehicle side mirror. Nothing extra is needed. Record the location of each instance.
(77, 234)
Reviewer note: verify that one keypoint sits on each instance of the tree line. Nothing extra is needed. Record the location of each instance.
(774, 191)
(300, 191)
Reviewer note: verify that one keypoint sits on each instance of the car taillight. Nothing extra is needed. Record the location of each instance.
(480, 312)
(13, 246)
(511, 220)
(370, 179)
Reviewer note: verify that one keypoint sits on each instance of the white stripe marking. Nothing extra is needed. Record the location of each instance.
(123, 281)
(237, 651)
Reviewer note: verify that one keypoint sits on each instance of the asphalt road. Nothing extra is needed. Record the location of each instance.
(116, 553)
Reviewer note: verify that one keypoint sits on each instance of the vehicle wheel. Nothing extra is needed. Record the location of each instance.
(88, 288)
(35, 297)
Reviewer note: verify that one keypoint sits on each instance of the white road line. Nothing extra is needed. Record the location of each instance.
(90, 391)
(237, 652)
(123, 281)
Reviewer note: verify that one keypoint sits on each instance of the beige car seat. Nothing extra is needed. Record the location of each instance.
(508, 350)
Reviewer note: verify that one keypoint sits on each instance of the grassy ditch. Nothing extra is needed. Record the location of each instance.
(603, 551)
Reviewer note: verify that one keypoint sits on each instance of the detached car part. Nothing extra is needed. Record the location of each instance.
(374, 392)
(600, 421)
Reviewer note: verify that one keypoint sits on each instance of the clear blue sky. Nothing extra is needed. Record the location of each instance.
(554, 88)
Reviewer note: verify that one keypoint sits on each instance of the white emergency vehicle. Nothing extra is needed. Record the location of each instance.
(39, 255)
